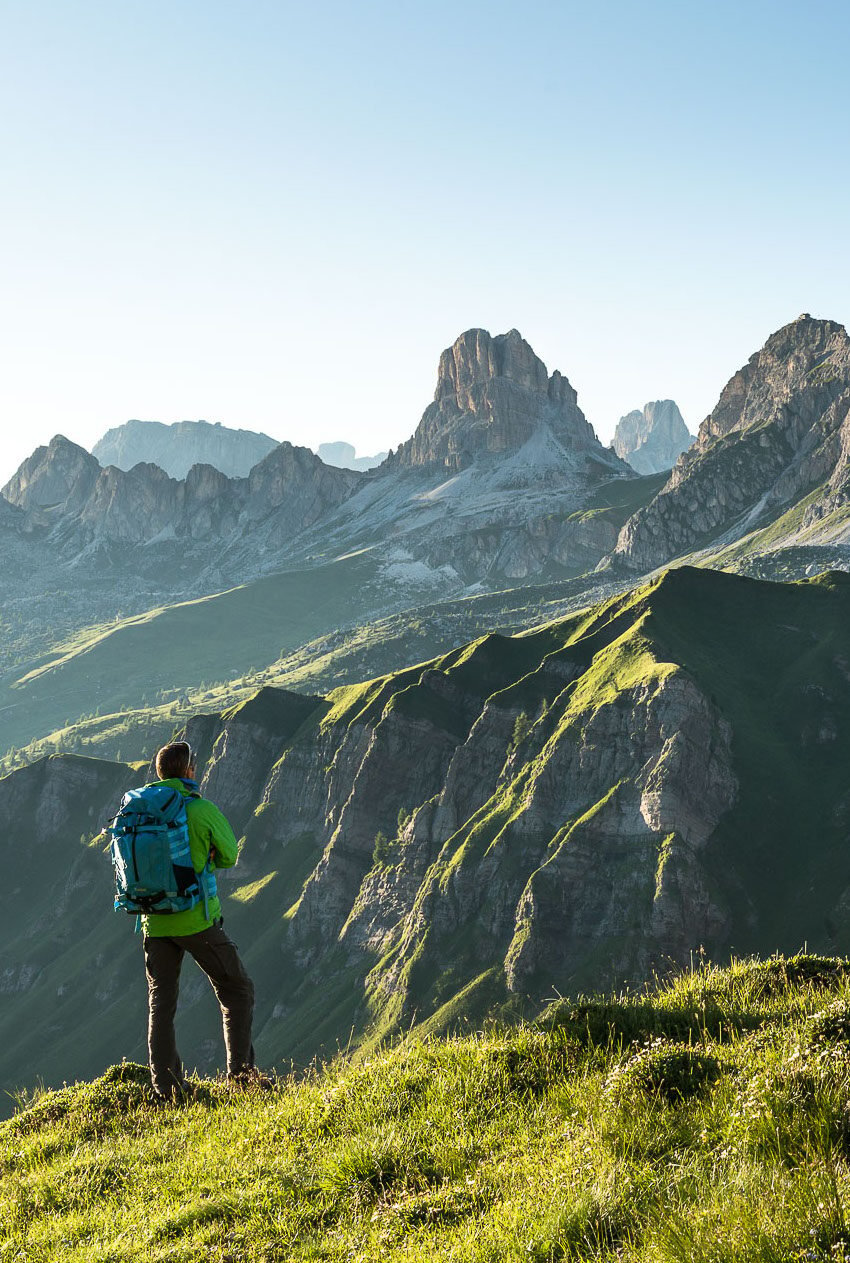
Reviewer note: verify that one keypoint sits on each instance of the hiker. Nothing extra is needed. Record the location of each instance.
(188, 921)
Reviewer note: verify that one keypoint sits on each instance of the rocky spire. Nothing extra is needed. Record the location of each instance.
(493, 394)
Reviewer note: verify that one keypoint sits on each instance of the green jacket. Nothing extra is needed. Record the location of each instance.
(208, 829)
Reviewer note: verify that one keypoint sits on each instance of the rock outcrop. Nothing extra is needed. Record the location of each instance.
(176, 448)
(654, 439)
(779, 430)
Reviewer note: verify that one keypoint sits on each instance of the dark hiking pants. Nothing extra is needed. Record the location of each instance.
(217, 956)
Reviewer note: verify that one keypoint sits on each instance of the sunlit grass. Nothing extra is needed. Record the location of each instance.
(708, 1121)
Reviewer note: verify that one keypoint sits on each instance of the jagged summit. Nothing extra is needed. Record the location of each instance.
(493, 395)
(653, 439)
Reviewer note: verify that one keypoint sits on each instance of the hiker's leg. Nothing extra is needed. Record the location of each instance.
(217, 956)
(163, 958)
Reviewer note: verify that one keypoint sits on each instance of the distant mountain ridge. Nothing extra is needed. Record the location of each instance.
(502, 485)
(65, 491)
(177, 447)
(653, 439)
(523, 456)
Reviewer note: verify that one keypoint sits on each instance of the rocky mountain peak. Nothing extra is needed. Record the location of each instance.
(653, 439)
(56, 479)
(493, 395)
(807, 359)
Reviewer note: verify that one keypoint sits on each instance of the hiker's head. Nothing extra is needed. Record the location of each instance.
(176, 759)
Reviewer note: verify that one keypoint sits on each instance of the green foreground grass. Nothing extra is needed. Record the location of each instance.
(708, 1121)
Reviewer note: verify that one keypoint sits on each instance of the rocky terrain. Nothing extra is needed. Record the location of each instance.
(497, 481)
(565, 809)
(127, 592)
(778, 435)
(177, 447)
(654, 439)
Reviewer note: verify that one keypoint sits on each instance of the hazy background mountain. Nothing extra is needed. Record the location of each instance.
(654, 439)
(177, 447)
(345, 456)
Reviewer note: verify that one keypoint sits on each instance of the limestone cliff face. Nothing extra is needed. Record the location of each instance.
(492, 396)
(176, 448)
(774, 435)
(654, 439)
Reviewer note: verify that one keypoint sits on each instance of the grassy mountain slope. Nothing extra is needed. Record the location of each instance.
(563, 809)
(772, 865)
(704, 1123)
(181, 646)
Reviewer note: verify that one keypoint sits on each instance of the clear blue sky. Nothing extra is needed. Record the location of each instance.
(276, 215)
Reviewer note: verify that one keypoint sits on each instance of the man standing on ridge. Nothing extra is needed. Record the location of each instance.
(198, 931)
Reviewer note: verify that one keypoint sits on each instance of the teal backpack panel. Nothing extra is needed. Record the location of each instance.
(151, 857)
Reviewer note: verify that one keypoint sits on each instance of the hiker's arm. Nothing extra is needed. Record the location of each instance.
(224, 849)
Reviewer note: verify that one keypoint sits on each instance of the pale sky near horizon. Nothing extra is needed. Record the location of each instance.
(276, 215)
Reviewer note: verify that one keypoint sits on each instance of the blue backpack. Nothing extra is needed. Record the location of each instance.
(151, 857)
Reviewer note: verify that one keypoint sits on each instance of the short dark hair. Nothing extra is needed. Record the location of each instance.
(174, 760)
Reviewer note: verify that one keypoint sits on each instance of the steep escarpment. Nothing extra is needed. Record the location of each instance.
(557, 810)
(779, 433)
